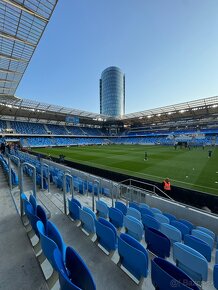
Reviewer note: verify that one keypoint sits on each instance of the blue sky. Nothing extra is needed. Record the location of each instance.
(168, 50)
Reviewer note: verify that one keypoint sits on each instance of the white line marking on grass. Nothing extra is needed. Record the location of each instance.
(145, 174)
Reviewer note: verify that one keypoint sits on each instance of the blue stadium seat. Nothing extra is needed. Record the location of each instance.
(121, 206)
(215, 276)
(32, 200)
(171, 217)
(116, 217)
(106, 234)
(150, 222)
(32, 217)
(51, 241)
(161, 218)
(155, 210)
(191, 262)
(75, 275)
(133, 227)
(143, 205)
(87, 217)
(130, 251)
(157, 243)
(204, 237)
(147, 211)
(102, 209)
(180, 226)
(134, 205)
(133, 212)
(165, 276)
(207, 231)
(74, 208)
(41, 214)
(188, 224)
(199, 245)
(171, 232)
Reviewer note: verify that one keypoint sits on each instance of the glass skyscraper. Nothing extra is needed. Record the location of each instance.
(112, 92)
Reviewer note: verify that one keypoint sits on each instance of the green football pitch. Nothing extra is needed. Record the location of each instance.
(189, 169)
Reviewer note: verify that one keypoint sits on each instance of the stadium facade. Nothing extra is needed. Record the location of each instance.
(112, 92)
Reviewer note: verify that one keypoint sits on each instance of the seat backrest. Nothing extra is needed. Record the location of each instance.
(77, 202)
(170, 216)
(102, 208)
(190, 261)
(33, 218)
(207, 231)
(147, 211)
(121, 206)
(78, 272)
(150, 222)
(133, 226)
(171, 232)
(116, 217)
(180, 226)
(204, 237)
(134, 205)
(199, 246)
(47, 244)
(87, 218)
(133, 212)
(157, 242)
(32, 200)
(161, 218)
(155, 210)
(40, 212)
(54, 234)
(143, 205)
(130, 251)
(74, 209)
(165, 275)
(187, 223)
(215, 276)
(106, 234)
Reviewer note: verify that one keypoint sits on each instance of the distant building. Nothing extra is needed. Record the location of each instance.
(112, 92)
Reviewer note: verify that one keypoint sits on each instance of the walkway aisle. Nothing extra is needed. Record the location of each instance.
(19, 268)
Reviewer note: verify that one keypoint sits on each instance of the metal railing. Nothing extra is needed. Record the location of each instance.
(96, 181)
(153, 189)
(67, 174)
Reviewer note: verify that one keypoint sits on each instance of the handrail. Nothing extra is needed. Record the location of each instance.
(66, 173)
(21, 182)
(155, 187)
(93, 193)
(46, 166)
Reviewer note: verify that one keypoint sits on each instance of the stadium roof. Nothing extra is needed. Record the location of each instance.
(192, 109)
(30, 109)
(17, 108)
(22, 23)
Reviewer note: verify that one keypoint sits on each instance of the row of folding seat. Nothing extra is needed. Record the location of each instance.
(129, 249)
(14, 177)
(56, 176)
(198, 241)
(67, 265)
